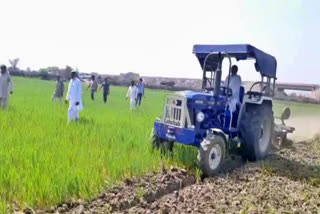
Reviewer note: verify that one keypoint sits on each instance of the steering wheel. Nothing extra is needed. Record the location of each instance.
(224, 91)
(207, 90)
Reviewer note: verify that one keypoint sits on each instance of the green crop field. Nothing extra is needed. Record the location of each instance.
(298, 109)
(44, 160)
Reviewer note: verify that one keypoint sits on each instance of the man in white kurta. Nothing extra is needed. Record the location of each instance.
(234, 83)
(6, 86)
(132, 95)
(74, 96)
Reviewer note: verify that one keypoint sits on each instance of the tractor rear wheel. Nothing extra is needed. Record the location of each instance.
(212, 154)
(256, 130)
(160, 144)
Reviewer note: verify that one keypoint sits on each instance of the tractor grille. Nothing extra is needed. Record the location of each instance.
(173, 116)
(173, 113)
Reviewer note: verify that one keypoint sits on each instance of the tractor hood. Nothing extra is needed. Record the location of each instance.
(191, 95)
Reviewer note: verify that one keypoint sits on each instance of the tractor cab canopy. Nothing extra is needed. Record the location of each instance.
(265, 63)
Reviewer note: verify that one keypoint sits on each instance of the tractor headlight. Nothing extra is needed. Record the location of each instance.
(200, 117)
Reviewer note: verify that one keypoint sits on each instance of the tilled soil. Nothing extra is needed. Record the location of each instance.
(288, 181)
(130, 193)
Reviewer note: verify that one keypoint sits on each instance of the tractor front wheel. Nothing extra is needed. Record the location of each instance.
(160, 144)
(212, 154)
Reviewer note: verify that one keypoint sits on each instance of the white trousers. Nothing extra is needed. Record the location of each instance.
(3, 102)
(233, 101)
(73, 113)
(132, 104)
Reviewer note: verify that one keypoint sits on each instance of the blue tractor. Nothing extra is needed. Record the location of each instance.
(204, 119)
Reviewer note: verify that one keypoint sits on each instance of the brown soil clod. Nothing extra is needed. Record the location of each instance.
(132, 192)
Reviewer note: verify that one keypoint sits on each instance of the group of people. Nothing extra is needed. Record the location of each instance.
(74, 93)
(94, 88)
(135, 93)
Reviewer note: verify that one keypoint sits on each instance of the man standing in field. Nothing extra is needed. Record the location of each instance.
(6, 86)
(59, 90)
(94, 86)
(74, 96)
(106, 90)
(131, 94)
(140, 91)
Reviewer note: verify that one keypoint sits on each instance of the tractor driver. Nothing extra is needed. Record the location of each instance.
(234, 83)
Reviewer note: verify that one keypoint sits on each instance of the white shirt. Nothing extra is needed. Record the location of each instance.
(6, 85)
(132, 91)
(74, 93)
(234, 84)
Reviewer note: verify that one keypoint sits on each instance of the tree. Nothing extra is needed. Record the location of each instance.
(67, 72)
(14, 63)
(44, 73)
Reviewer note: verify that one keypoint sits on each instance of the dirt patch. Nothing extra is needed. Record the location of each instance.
(131, 192)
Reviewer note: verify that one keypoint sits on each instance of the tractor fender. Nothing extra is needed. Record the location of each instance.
(256, 100)
(210, 135)
(204, 144)
(221, 133)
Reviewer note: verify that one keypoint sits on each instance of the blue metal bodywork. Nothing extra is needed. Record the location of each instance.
(217, 116)
(180, 135)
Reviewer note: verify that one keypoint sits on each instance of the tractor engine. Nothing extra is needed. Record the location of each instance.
(194, 111)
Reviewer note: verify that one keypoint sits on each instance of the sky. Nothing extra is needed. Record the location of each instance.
(155, 38)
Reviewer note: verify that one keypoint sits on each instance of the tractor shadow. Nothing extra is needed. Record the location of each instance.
(232, 163)
(297, 161)
(281, 163)
(294, 170)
